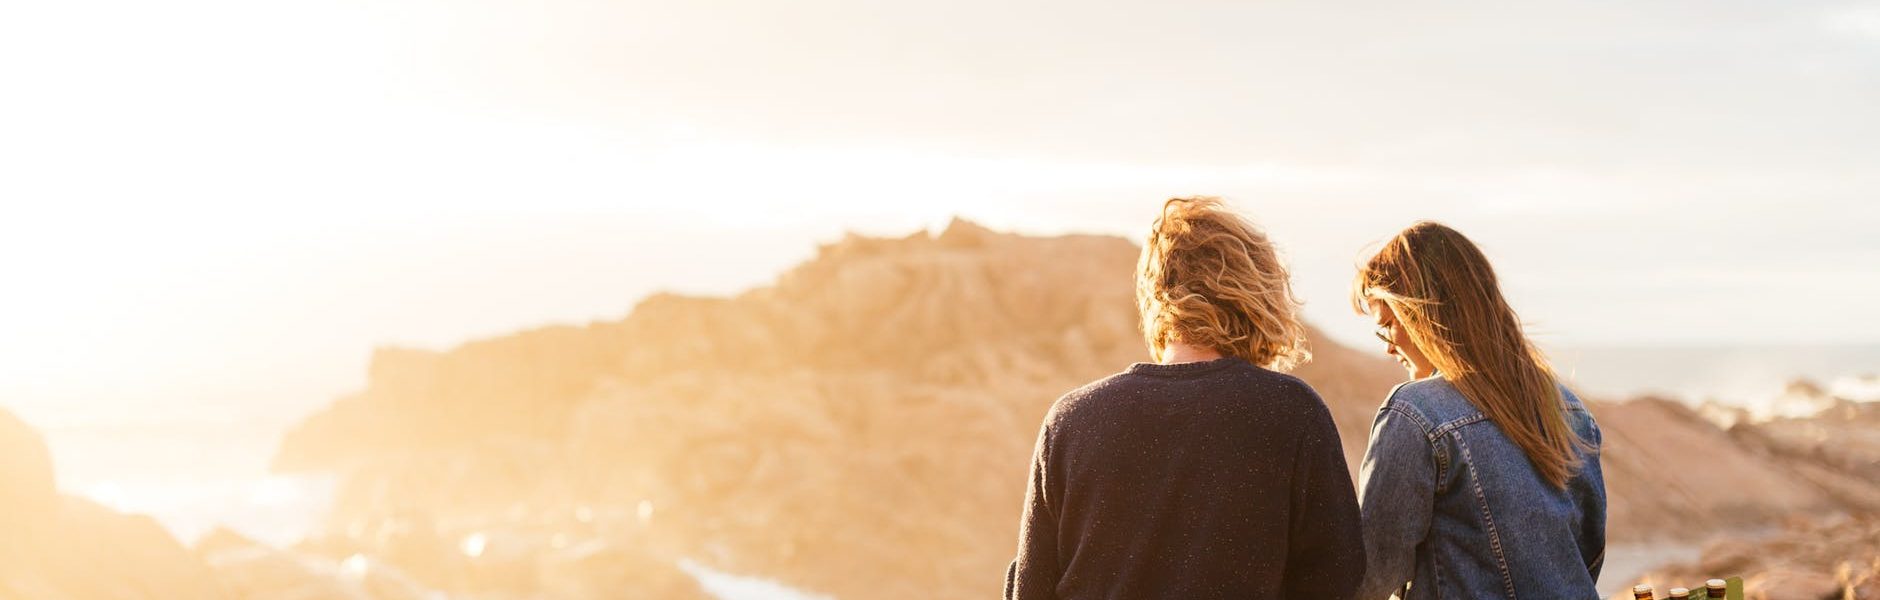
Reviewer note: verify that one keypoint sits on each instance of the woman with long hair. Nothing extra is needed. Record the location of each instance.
(1207, 473)
(1482, 478)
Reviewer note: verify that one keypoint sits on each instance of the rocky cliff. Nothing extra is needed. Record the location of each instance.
(859, 428)
(59, 546)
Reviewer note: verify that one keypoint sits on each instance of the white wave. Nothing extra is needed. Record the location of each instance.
(1864, 388)
(726, 586)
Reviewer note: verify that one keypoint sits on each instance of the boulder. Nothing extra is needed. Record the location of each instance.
(1811, 558)
(27, 489)
(57, 546)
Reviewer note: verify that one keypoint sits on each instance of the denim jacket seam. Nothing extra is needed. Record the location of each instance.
(1441, 450)
(1454, 424)
(1429, 429)
(1488, 521)
(1429, 437)
(1436, 449)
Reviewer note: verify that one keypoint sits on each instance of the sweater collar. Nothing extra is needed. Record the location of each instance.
(1186, 368)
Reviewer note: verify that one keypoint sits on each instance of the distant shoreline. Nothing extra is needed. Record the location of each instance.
(1733, 375)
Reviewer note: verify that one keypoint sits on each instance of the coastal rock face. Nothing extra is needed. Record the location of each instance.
(967, 307)
(1668, 470)
(1818, 457)
(56, 546)
(1837, 448)
(1674, 475)
(27, 489)
(1807, 559)
(861, 428)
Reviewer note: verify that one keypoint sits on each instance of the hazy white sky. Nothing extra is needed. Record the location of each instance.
(215, 199)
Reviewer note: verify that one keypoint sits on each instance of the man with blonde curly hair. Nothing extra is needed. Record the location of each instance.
(1207, 473)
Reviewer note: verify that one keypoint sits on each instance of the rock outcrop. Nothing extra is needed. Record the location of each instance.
(1837, 446)
(1670, 471)
(860, 428)
(57, 546)
(28, 491)
(1807, 559)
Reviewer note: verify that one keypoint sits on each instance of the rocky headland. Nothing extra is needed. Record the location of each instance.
(859, 428)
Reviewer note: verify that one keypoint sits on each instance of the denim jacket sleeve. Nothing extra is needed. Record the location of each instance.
(1397, 492)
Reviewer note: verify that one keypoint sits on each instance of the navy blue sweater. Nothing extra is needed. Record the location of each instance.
(1214, 479)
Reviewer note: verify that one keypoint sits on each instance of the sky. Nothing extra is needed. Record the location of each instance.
(216, 201)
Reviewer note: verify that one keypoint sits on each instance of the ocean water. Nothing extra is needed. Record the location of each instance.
(199, 470)
(205, 466)
(1734, 375)
(727, 586)
(194, 470)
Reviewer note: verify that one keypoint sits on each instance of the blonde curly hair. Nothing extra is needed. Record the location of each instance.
(1209, 277)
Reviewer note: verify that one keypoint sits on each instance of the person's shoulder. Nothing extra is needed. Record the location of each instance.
(1285, 382)
(1432, 400)
(1574, 403)
(1580, 417)
(1429, 388)
(1091, 395)
(1275, 389)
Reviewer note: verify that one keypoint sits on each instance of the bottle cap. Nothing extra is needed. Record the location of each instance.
(1716, 583)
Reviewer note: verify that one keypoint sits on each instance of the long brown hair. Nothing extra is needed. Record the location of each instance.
(1444, 294)
(1208, 277)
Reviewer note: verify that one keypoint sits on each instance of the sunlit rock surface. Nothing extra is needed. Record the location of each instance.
(1831, 558)
(28, 491)
(860, 429)
(57, 546)
(1841, 437)
(1668, 471)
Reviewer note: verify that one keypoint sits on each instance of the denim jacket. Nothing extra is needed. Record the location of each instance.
(1453, 509)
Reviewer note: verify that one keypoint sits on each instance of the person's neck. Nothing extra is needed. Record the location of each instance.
(1177, 353)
